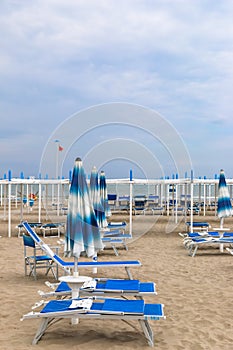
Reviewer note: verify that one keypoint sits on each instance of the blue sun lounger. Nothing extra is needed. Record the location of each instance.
(52, 228)
(116, 237)
(193, 244)
(98, 308)
(213, 234)
(117, 225)
(68, 265)
(35, 225)
(104, 287)
(113, 241)
(198, 225)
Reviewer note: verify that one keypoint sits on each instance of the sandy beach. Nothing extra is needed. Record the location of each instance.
(196, 293)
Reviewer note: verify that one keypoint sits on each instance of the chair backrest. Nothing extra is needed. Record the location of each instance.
(28, 241)
(112, 197)
(32, 233)
(48, 251)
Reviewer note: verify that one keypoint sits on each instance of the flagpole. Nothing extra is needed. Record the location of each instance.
(57, 155)
(59, 148)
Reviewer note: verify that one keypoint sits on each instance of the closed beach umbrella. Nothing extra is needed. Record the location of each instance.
(82, 233)
(104, 194)
(224, 208)
(95, 198)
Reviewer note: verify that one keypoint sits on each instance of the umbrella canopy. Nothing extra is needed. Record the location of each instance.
(82, 233)
(224, 208)
(104, 194)
(95, 198)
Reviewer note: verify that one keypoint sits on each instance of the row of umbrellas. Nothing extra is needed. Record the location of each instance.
(224, 206)
(88, 211)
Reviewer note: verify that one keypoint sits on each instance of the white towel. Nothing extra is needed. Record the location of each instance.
(89, 284)
(81, 303)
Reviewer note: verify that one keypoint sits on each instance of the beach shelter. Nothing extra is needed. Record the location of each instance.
(104, 194)
(96, 200)
(82, 232)
(224, 208)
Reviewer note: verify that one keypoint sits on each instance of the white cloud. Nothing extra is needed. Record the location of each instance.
(59, 56)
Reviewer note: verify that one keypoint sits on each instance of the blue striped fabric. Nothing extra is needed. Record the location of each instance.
(224, 203)
(96, 200)
(82, 234)
(104, 194)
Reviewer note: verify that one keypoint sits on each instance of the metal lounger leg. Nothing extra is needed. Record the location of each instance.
(115, 250)
(51, 267)
(147, 331)
(194, 251)
(41, 329)
(128, 273)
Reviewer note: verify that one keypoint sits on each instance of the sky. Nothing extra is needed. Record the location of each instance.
(59, 59)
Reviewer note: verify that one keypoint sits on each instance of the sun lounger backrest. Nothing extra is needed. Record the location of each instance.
(32, 233)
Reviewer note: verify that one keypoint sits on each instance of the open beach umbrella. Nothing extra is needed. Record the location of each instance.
(82, 232)
(104, 194)
(95, 198)
(224, 208)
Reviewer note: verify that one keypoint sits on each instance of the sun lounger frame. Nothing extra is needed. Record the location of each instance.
(48, 318)
(67, 266)
(104, 291)
(194, 244)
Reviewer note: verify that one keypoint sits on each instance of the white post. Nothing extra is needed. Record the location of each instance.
(58, 199)
(176, 199)
(204, 195)
(191, 204)
(130, 202)
(130, 207)
(40, 199)
(9, 209)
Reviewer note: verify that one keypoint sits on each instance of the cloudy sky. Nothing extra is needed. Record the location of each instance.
(58, 58)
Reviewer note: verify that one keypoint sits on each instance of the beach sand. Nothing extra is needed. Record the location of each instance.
(196, 292)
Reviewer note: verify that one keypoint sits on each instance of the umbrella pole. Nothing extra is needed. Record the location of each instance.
(94, 259)
(221, 222)
(75, 272)
(221, 248)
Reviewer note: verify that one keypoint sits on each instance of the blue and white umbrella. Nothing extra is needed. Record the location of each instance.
(82, 232)
(104, 194)
(224, 208)
(95, 198)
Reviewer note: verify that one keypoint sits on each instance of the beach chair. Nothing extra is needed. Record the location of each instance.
(140, 205)
(113, 242)
(52, 229)
(97, 308)
(112, 200)
(34, 260)
(152, 201)
(194, 243)
(67, 266)
(123, 238)
(203, 234)
(20, 227)
(204, 226)
(123, 203)
(157, 210)
(103, 287)
(117, 225)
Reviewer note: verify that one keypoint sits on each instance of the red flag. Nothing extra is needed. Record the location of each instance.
(60, 148)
